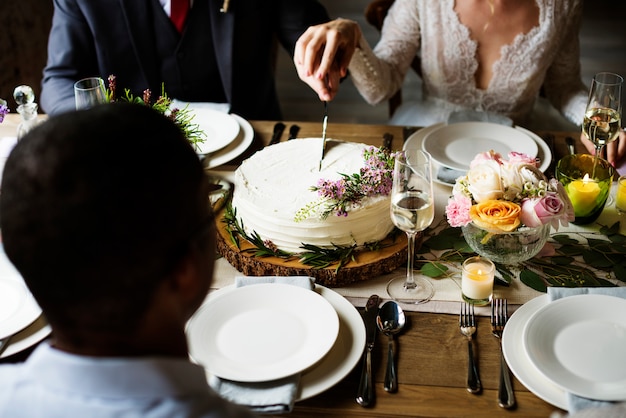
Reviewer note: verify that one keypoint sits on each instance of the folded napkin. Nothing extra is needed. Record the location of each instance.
(577, 403)
(220, 107)
(274, 397)
(468, 115)
(449, 175)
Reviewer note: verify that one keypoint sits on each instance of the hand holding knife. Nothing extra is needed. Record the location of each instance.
(365, 395)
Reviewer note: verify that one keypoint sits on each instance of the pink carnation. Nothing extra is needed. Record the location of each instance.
(458, 209)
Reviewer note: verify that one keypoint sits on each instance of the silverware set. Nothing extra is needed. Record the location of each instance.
(279, 128)
(467, 325)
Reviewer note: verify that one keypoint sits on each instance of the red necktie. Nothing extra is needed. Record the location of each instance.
(178, 14)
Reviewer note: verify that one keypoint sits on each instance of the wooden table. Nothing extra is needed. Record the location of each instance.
(432, 354)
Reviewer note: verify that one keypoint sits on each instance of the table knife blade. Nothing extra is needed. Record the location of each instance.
(324, 125)
(365, 393)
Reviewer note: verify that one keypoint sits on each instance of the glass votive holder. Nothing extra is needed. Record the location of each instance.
(477, 280)
(587, 183)
(620, 196)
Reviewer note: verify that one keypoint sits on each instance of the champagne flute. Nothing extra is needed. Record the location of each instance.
(89, 92)
(602, 120)
(412, 211)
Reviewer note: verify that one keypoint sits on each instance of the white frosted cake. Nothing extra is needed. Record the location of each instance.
(274, 186)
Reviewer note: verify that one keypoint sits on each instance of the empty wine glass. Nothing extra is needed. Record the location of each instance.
(602, 120)
(89, 92)
(412, 211)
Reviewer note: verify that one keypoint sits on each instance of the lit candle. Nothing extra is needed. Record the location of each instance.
(583, 194)
(477, 280)
(620, 195)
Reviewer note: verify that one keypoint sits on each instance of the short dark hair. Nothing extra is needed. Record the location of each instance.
(96, 208)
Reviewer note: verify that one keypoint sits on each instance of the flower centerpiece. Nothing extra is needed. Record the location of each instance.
(507, 207)
(4, 109)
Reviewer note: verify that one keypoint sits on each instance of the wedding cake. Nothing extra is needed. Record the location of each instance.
(283, 195)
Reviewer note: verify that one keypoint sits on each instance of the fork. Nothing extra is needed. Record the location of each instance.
(467, 324)
(499, 315)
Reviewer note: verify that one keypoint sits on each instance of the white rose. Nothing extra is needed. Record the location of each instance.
(484, 181)
(512, 181)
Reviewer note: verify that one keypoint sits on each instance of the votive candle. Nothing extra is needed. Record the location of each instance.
(620, 195)
(583, 193)
(477, 280)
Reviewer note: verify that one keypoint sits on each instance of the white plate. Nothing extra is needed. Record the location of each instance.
(446, 176)
(220, 129)
(518, 360)
(579, 342)
(28, 337)
(341, 358)
(262, 332)
(455, 145)
(18, 308)
(235, 148)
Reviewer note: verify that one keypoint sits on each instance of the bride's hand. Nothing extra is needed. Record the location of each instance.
(615, 151)
(323, 53)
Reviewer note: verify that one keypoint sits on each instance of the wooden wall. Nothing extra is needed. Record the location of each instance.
(24, 28)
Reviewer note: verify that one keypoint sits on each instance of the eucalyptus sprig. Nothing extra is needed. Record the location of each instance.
(582, 259)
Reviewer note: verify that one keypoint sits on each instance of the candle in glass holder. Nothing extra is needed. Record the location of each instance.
(477, 280)
(620, 195)
(583, 193)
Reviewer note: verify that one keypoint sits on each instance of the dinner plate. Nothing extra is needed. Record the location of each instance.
(579, 342)
(455, 145)
(18, 308)
(220, 129)
(518, 360)
(235, 148)
(27, 337)
(262, 332)
(343, 356)
(447, 176)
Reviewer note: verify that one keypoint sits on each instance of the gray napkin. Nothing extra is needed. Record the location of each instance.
(468, 115)
(577, 403)
(277, 396)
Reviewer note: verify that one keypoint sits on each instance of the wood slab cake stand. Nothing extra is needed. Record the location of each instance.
(366, 264)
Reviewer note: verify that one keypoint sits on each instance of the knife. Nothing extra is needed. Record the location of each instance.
(324, 124)
(365, 395)
(278, 132)
(293, 132)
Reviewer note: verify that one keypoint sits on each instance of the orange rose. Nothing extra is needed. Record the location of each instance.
(496, 215)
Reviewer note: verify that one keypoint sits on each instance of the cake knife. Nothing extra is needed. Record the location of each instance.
(324, 124)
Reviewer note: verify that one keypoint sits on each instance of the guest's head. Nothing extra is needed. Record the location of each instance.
(104, 212)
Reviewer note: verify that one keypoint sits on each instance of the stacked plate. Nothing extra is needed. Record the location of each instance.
(452, 147)
(227, 135)
(264, 332)
(20, 315)
(572, 345)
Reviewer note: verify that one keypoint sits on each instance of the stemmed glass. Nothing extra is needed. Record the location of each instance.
(412, 211)
(89, 92)
(602, 120)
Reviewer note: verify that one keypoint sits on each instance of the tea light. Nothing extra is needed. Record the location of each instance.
(477, 280)
(583, 194)
(620, 195)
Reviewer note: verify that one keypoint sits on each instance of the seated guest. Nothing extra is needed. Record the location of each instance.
(222, 51)
(105, 214)
(487, 56)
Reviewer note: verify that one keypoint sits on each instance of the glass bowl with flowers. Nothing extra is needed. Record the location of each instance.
(506, 207)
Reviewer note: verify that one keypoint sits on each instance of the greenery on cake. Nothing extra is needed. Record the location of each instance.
(375, 178)
(183, 118)
(312, 255)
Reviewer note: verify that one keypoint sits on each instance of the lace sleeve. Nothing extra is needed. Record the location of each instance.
(563, 85)
(379, 73)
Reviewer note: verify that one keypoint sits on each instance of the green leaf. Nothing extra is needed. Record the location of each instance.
(433, 269)
(562, 260)
(533, 280)
(620, 272)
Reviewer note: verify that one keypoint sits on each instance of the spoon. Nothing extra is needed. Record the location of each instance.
(390, 321)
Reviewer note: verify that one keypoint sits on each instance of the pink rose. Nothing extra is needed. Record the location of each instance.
(548, 209)
(457, 210)
(519, 158)
(486, 156)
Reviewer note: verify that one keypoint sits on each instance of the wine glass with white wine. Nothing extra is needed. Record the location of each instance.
(602, 121)
(412, 211)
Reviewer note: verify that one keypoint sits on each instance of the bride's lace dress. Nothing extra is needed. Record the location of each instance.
(547, 55)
